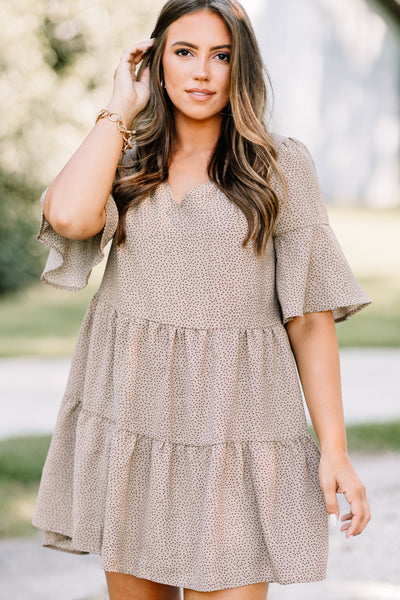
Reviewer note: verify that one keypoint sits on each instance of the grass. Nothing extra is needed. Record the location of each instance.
(374, 437)
(22, 459)
(21, 463)
(371, 437)
(42, 320)
(371, 243)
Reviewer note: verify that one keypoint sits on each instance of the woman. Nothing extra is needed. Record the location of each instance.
(181, 452)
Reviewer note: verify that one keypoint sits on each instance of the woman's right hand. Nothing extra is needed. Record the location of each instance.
(130, 96)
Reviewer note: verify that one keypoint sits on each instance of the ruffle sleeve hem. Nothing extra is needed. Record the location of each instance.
(312, 275)
(70, 262)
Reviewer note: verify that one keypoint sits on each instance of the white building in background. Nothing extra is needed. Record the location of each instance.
(335, 70)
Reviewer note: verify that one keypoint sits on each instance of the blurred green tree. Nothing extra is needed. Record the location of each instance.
(19, 255)
(57, 61)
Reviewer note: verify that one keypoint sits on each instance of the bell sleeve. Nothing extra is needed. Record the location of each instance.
(312, 273)
(70, 262)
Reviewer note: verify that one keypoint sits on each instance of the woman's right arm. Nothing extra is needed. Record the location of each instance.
(75, 200)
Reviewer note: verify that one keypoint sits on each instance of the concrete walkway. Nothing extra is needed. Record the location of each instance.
(32, 389)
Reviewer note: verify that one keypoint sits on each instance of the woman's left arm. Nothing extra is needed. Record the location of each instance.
(315, 347)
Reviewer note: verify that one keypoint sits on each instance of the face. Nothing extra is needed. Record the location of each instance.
(196, 65)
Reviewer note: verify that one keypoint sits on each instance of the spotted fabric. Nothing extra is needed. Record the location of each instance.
(181, 452)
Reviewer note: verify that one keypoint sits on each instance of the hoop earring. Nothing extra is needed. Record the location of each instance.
(162, 83)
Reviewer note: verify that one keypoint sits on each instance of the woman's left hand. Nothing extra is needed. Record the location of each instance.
(337, 475)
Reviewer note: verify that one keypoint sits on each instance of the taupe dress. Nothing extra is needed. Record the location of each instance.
(181, 452)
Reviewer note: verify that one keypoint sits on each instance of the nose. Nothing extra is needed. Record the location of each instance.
(201, 70)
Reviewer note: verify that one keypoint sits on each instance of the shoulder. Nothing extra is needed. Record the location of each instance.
(292, 154)
(305, 204)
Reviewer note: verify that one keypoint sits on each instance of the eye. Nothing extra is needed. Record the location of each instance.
(182, 50)
(223, 56)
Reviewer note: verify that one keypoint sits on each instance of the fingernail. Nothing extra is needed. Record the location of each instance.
(349, 538)
(333, 519)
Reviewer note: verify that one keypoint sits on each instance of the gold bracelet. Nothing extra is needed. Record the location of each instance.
(127, 134)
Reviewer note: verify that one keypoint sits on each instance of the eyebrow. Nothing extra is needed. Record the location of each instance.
(196, 47)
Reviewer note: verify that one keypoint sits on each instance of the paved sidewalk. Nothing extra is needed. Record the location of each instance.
(365, 567)
(32, 389)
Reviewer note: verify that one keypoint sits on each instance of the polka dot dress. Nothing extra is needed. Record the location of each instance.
(181, 452)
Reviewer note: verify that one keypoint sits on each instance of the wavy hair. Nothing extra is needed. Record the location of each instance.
(244, 158)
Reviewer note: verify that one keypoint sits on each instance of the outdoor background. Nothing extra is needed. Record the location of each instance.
(335, 69)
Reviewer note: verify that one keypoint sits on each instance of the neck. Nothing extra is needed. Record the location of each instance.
(192, 136)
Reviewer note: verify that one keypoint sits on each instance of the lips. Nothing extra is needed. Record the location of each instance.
(200, 92)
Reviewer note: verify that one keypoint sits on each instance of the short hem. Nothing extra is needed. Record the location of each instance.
(143, 573)
(186, 585)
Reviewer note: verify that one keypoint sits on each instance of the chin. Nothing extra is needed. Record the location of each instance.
(204, 117)
(200, 114)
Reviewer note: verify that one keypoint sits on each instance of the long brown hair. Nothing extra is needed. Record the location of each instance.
(244, 159)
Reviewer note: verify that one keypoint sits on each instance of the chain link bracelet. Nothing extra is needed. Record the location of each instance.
(127, 134)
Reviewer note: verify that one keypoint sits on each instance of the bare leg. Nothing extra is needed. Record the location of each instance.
(128, 587)
(255, 591)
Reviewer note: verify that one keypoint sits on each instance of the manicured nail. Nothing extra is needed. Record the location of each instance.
(333, 519)
(349, 538)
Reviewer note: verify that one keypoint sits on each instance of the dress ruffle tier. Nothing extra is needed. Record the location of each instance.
(181, 452)
(204, 517)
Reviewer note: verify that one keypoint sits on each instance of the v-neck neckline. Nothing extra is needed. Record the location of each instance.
(198, 185)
